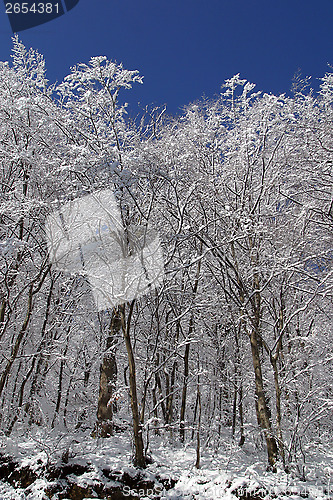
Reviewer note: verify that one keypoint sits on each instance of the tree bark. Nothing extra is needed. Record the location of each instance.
(107, 380)
(139, 458)
(241, 416)
(263, 412)
(184, 393)
(197, 463)
(186, 358)
(18, 341)
(278, 408)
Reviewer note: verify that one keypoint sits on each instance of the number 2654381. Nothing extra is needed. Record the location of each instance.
(35, 8)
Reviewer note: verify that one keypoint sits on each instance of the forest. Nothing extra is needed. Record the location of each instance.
(215, 383)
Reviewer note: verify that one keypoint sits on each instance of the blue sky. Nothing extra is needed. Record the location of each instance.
(186, 49)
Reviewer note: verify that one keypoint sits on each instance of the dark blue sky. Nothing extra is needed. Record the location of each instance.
(184, 48)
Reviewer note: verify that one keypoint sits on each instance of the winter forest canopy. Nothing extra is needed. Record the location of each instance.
(235, 346)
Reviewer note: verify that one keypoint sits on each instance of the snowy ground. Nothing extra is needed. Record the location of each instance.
(226, 473)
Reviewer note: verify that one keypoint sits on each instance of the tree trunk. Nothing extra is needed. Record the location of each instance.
(139, 459)
(197, 463)
(158, 385)
(278, 408)
(241, 416)
(107, 380)
(16, 346)
(262, 408)
(263, 412)
(61, 378)
(184, 393)
(171, 389)
(187, 356)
